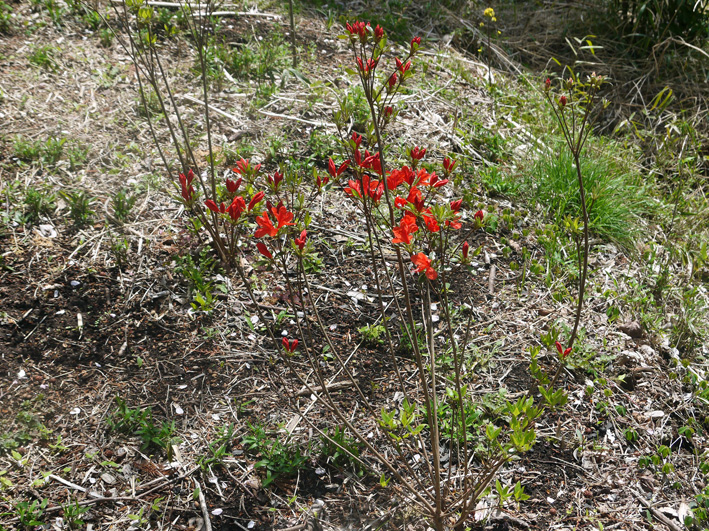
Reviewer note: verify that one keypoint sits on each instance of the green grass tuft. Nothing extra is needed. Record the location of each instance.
(616, 195)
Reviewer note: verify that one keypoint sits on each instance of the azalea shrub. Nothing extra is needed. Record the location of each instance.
(404, 207)
(428, 441)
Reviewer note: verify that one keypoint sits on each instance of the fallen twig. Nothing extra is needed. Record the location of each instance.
(203, 505)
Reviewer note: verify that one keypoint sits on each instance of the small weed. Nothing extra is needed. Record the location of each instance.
(139, 422)
(341, 450)
(27, 150)
(218, 449)
(53, 150)
(198, 273)
(79, 207)
(30, 514)
(77, 155)
(38, 204)
(372, 335)
(149, 104)
(120, 247)
(44, 57)
(73, 513)
(105, 36)
(92, 19)
(122, 204)
(499, 183)
(279, 459)
(48, 152)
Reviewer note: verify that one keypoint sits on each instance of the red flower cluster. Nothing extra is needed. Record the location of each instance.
(334, 170)
(187, 190)
(401, 66)
(300, 242)
(290, 346)
(358, 28)
(423, 265)
(275, 181)
(562, 352)
(407, 226)
(244, 168)
(369, 162)
(255, 200)
(448, 165)
(365, 188)
(367, 67)
(267, 228)
(418, 153)
(233, 186)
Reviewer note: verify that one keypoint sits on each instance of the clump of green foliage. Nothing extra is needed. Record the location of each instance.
(278, 458)
(617, 197)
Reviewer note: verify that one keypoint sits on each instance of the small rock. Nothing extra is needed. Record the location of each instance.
(108, 478)
(47, 231)
(633, 329)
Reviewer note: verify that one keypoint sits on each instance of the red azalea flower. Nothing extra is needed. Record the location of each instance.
(334, 170)
(233, 186)
(367, 67)
(562, 102)
(431, 223)
(372, 162)
(236, 208)
(283, 217)
(357, 139)
(466, 250)
(401, 66)
(563, 353)
(211, 205)
(187, 190)
(378, 33)
(300, 242)
(396, 177)
(275, 181)
(415, 43)
(455, 205)
(547, 85)
(255, 200)
(388, 111)
(392, 80)
(454, 224)
(266, 228)
(399, 202)
(416, 198)
(407, 226)
(448, 165)
(290, 346)
(320, 182)
(423, 265)
(264, 250)
(479, 216)
(418, 153)
(242, 167)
